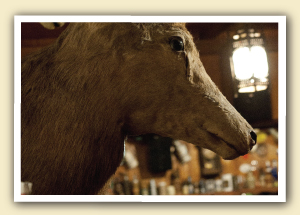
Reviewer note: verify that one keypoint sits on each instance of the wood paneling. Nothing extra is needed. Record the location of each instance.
(212, 66)
(273, 70)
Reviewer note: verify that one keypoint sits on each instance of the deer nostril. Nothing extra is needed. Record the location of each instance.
(253, 136)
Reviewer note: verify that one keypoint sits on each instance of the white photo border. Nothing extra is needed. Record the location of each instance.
(281, 197)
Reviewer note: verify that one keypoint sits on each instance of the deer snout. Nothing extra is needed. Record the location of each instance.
(253, 139)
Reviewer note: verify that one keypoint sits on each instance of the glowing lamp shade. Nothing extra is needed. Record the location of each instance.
(241, 63)
(250, 62)
(250, 74)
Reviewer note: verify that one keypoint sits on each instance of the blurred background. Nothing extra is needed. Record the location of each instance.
(242, 60)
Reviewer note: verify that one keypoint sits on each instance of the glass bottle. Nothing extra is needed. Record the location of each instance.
(274, 172)
(176, 182)
(144, 188)
(196, 188)
(190, 185)
(162, 188)
(202, 186)
(118, 188)
(126, 185)
(250, 180)
(153, 190)
(135, 186)
(185, 188)
(269, 177)
(262, 177)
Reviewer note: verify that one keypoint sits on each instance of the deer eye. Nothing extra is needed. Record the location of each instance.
(177, 44)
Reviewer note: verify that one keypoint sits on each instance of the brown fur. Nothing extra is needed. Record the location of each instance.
(102, 81)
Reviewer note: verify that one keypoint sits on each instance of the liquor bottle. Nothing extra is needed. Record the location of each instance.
(262, 177)
(269, 177)
(118, 188)
(135, 186)
(162, 188)
(254, 169)
(196, 188)
(202, 186)
(210, 185)
(235, 181)
(219, 185)
(190, 185)
(171, 190)
(250, 180)
(185, 188)
(126, 185)
(144, 188)
(274, 172)
(175, 181)
(153, 190)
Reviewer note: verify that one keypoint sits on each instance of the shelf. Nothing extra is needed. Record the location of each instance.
(256, 191)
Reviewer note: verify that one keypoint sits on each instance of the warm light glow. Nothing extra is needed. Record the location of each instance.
(241, 63)
(261, 87)
(250, 89)
(259, 62)
(236, 37)
(250, 62)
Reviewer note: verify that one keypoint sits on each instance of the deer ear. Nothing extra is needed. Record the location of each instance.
(52, 25)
